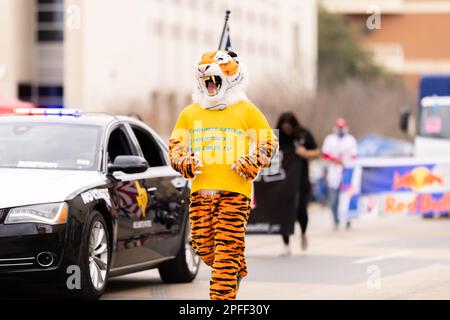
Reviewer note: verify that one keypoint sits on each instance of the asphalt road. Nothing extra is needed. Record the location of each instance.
(392, 257)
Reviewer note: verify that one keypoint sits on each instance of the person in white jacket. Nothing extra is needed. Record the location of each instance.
(338, 148)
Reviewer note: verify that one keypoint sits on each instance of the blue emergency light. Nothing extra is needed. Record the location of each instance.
(48, 112)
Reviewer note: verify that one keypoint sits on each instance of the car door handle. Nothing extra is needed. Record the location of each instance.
(152, 189)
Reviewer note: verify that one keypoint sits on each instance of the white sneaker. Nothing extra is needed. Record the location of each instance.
(286, 251)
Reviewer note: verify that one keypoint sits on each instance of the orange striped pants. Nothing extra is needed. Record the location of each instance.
(218, 223)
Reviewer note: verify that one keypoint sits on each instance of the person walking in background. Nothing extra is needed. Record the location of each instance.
(338, 148)
(136, 116)
(296, 139)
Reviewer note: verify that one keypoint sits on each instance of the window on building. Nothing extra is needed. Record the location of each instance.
(222, 8)
(296, 46)
(50, 1)
(155, 96)
(50, 16)
(25, 92)
(176, 32)
(155, 110)
(193, 4)
(159, 28)
(193, 35)
(275, 23)
(209, 6)
(49, 29)
(187, 99)
(237, 14)
(49, 19)
(209, 38)
(251, 16)
(275, 51)
(263, 49)
(263, 20)
(237, 44)
(172, 108)
(251, 47)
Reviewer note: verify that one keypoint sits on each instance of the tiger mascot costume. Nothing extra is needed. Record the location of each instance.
(220, 143)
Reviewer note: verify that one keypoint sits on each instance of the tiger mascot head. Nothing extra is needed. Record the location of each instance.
(220, 80)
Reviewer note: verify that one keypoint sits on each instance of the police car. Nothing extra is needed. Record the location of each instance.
(89, 196)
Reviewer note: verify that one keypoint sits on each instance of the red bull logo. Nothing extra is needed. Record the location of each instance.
(417, 179)
(424, 203)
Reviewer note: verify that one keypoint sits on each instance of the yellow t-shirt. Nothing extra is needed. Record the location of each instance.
(222, 137)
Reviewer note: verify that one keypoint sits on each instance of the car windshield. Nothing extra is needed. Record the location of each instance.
(48, 146)
(435, 122)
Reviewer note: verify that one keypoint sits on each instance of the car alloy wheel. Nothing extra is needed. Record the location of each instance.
(192, 259)
(98, 255)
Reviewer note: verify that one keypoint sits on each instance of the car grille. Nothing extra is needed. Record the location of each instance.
(16, 262)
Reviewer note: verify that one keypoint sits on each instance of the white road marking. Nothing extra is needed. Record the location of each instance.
(383, 257)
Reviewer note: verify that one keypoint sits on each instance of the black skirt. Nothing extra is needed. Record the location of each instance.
(276, 202)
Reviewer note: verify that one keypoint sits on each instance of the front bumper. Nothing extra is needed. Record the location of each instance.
(22, 244)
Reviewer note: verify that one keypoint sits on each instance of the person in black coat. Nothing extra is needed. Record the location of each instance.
(296, 139)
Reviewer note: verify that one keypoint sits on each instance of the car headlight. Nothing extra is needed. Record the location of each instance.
(50, 213)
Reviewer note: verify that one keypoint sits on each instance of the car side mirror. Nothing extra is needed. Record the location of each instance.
(128, 164)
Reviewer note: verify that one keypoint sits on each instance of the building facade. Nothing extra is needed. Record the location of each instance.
(32, 54)
(413, 38)
(16, 43)
(121, 57)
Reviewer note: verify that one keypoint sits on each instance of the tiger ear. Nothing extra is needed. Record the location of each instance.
(232, 54)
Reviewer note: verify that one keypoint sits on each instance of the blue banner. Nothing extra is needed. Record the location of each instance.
(374, 188)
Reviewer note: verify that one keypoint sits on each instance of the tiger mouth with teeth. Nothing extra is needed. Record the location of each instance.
(212, 84)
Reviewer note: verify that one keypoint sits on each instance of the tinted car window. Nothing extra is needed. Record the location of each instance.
(118, 145)
(150, 148)
(48, 146)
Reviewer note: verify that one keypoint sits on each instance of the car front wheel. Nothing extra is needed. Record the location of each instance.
(95, 257)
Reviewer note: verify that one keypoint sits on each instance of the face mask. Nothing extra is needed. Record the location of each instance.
(340, 132)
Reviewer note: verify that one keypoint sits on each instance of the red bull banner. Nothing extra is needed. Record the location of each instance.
(398, 186)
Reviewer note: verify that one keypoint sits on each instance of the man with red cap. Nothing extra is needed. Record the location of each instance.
(338, 148)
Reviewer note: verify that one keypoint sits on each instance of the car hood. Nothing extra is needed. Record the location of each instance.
(21, 187)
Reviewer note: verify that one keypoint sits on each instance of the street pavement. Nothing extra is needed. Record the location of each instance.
(391, 257)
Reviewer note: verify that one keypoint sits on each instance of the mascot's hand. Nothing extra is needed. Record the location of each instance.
(186, 163)
(247, 167)
(189, 166)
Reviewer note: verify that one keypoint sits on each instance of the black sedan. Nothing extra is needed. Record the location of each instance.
(86, 197)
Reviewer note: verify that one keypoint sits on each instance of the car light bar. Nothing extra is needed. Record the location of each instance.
(48, 112)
